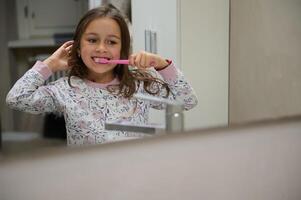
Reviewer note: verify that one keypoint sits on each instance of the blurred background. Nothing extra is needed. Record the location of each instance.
(241, 57)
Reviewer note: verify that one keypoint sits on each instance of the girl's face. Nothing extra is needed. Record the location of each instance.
(101, 39)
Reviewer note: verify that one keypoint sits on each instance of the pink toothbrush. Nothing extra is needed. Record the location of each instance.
(106, 61)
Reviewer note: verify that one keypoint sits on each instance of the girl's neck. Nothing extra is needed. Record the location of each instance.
(101, 85)
(102, 79)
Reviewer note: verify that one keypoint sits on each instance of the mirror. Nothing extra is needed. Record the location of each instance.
(241, 57)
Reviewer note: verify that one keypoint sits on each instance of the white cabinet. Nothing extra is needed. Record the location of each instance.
(195, 35)
(43, 18)
(161, 18)
(94, 3)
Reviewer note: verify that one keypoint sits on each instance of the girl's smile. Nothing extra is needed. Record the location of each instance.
(98, 59)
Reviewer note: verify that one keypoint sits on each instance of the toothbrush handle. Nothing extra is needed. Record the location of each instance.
(125, 62)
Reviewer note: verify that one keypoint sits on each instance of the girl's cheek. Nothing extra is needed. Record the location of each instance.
(116, 53)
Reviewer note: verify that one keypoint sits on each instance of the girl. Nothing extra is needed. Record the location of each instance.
(96, 92)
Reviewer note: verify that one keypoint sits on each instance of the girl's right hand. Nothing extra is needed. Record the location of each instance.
(58, 61)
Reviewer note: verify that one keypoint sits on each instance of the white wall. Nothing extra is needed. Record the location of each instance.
(265, 60)
(204, 52)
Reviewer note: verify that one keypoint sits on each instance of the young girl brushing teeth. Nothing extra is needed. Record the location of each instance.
(100, 85)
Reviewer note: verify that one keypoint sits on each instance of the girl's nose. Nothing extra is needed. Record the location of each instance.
(101, 47)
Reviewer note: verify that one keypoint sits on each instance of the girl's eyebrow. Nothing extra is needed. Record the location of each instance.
(90, 34)
(115, 36)
(95, 34)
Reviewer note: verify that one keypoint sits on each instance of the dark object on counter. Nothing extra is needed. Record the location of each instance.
(60, 38)
(54, 127)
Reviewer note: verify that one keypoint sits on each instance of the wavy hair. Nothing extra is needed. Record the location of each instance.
(128, 78)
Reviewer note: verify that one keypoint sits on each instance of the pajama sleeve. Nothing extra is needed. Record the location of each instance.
(181, 90)
(29, 93)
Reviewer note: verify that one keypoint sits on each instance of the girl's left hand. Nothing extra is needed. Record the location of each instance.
(145, 59)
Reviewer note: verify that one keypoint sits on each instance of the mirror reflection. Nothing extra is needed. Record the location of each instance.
(242, 63)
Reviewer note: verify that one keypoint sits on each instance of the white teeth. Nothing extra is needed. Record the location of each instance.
(97, 59)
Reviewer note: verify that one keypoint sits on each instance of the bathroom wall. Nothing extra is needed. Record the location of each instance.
(204, 61)
(7, 31)
(265, 61)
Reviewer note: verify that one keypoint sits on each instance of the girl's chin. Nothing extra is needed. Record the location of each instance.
(102, 66)
(101, 69)
(98, 66)
(100, 72)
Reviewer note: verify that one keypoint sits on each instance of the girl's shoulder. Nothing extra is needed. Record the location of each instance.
(63, 82)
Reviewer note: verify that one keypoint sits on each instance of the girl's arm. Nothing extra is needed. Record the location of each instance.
(181, 90)
(29, 93)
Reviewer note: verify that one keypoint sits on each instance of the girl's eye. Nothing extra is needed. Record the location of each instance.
(91, 40)
(111, 42)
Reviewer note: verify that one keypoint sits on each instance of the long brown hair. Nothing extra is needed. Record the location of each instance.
(128, 78)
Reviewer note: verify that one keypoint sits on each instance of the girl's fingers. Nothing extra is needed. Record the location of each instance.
(143, 60)
(152, 63)
(137, 60)
(68, 43)
(68, 48)
(132, 59)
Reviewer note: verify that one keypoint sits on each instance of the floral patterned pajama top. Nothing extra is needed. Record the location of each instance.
(87, 105)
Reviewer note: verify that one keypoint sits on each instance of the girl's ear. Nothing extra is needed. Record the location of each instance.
(78, 52)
